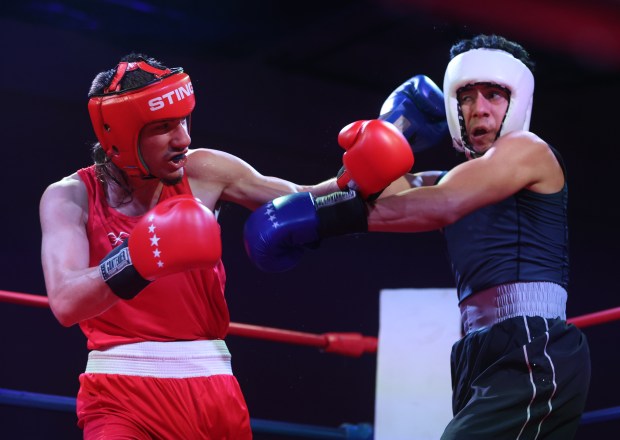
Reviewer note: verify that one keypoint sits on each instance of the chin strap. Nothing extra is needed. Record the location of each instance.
(470, 153)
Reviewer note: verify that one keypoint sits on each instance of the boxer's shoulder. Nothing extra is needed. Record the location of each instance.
(69, 189)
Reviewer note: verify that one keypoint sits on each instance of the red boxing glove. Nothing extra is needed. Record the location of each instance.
(178, 234)
(377, 154)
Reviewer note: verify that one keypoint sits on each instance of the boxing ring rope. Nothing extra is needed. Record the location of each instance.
(346, 344)
(595, 318)
(361, 431)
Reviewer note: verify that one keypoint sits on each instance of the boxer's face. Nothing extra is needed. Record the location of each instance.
(163, 146)
(483, 107)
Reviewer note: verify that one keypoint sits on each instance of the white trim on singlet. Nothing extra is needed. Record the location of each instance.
(176, 359)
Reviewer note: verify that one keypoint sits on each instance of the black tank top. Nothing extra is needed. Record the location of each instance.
(520, 239)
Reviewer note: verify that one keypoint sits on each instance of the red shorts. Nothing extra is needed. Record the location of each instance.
(162, 390)
(112, 406)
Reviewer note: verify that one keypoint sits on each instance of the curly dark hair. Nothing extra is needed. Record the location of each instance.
(132, 79)
(493, 42)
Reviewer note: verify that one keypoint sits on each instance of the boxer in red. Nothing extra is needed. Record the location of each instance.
(131, 252)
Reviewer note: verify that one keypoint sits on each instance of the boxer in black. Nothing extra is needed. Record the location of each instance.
(519, 371)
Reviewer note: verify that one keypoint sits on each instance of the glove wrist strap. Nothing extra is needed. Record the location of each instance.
(118, 272)
(341, 213)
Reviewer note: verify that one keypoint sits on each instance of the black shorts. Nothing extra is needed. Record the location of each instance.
(523, 378)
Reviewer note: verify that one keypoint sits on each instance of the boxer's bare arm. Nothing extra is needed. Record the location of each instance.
(408, 181)
(75, 291)
(519, 160)
(216, 175)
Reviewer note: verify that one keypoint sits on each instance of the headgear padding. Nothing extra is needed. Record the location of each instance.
(489, 66)
(118, 117)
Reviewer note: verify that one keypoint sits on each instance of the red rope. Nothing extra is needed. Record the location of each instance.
(24, 299)
(347, 344)
(595, 318)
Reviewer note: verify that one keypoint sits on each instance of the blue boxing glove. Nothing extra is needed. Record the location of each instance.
(418, 110)
(277, 234)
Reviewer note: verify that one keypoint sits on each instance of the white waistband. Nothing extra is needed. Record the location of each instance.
(488, 307)
(177, 359)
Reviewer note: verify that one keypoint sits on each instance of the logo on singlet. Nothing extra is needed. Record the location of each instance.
(115, 240)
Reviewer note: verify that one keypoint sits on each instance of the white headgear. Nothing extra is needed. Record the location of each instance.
(489, 66)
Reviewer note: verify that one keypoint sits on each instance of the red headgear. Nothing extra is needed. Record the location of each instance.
(118, 116)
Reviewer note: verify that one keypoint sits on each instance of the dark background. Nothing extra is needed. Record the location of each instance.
(275, 82)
